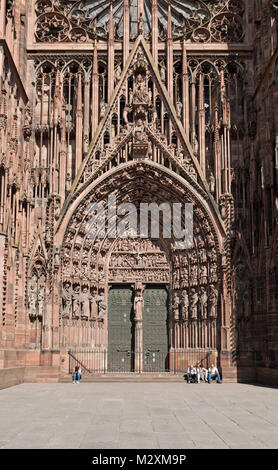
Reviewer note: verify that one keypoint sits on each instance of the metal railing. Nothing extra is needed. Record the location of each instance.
(94, 361)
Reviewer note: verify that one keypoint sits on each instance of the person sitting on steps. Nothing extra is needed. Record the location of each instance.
(191, 375)
(214, 374)
(203, 373)
(76, 375)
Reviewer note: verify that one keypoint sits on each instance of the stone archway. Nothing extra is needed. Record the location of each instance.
(89, 266)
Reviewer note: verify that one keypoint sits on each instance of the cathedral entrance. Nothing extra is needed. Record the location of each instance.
(140, 304)
(138, 329)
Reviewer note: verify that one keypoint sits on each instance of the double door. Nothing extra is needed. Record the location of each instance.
(152, 354)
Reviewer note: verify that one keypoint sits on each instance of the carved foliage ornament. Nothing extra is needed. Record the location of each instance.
(81, 21)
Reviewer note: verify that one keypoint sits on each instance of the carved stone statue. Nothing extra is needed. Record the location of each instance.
(57, 207)
(85, 302)
(184, 305)
(56, 257)
(27, 128)
(32, 301)
(68, 183)
(176, 307)
(194, 304)
(101, 308)
(76, 302)
(203, 274)
(66, 300)
(48, 234)
(150, 94)
(212, 183)
(203, 255)
(203, 303)
(140, 24)
(162, 71)
(130, 96)
(139, 134)
(213, 296)
(118, 73)
(138, 306)
(41, 301)
(213, 272)
(94, 308)
(102, 108)
(223, 210)
(141, 95)
(194, 275)
(179, 109)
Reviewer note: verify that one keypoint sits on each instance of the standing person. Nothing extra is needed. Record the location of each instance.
(214, 374)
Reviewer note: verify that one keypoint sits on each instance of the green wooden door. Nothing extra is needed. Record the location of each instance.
(120, 329)
(155, 329)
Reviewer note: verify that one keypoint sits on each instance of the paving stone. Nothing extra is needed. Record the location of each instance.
(138, 416)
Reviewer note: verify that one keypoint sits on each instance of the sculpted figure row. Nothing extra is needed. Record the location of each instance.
(78, 302)
(194, 304)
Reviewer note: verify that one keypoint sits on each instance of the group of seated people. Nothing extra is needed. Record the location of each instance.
(198, 373)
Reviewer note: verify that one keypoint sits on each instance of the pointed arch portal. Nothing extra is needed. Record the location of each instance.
(136, 298)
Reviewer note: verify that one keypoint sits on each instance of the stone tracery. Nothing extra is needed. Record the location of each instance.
(81, 21)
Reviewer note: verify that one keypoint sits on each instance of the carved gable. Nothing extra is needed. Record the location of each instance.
(130, 129)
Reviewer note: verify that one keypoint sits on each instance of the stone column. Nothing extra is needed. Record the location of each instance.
(79, 124)
(2, 18)
(155, 31)
(185, 90)
(202, 125)
(193, 111)
(111, 54)
(86, 113)
(95, 97)
(126, 32)
(170, 63)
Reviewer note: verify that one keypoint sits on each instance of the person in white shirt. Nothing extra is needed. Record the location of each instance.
(203, 373)
(192, 374)
(214, 374)
(198, 373)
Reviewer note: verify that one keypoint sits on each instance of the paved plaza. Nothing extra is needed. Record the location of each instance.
(138, 416)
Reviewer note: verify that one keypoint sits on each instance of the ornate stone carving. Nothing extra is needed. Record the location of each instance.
(213, 297)
(199, 22)
(32, 302)
(203, 303)
(184, 305)
(41, 302)
(66, 300)
(194, 300)
(176, 307)
(138, 302)
(76, 302)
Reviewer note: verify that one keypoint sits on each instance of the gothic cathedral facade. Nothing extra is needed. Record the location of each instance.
(149, 101)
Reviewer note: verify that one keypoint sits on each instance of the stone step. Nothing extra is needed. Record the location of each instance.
(127, 378)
